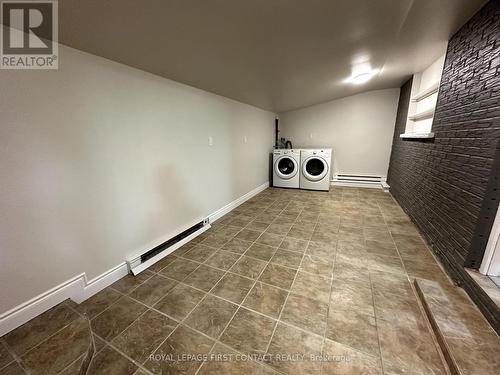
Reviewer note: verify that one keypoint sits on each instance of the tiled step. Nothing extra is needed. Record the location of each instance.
(469, 344)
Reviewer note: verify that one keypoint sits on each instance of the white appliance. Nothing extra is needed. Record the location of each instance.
(286, 164)
(315, 167)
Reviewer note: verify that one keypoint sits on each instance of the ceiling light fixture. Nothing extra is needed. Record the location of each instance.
(361, 78)
(361, 73)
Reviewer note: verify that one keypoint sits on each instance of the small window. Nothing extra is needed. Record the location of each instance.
(424, 92)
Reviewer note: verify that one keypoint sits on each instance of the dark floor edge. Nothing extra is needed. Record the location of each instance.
(432, 325)
(451, 365)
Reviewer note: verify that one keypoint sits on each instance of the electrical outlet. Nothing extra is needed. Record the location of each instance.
(245, 139)
(210, 140)
(311, 135)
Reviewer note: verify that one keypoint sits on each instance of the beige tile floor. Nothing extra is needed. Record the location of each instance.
(291, 282)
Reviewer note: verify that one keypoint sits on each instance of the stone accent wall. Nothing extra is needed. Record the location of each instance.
(449, 185)
(442, 183)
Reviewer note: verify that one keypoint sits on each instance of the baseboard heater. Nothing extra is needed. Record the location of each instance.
(360, 181)
(145, 259)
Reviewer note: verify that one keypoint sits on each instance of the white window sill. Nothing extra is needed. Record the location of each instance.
(417, 135)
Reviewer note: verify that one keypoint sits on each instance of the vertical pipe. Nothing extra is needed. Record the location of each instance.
(277, 130)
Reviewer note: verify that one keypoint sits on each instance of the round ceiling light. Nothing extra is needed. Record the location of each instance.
(361, 78)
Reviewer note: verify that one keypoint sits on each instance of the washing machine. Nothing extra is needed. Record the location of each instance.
(286, 164)
(315, 167)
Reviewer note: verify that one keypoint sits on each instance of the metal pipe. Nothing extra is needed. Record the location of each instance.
(277, 130)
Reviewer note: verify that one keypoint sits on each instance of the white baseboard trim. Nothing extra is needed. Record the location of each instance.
(102, 281)
(79, 288)
(231, 206)
(371, 185)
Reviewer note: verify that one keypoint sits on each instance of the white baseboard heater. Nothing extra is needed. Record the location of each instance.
(145, 259)
(360, 181)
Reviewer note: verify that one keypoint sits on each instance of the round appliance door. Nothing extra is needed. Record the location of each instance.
(315, 168)
(285, 167)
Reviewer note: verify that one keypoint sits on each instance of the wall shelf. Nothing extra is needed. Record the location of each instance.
(422, 115)
(423, 99)
(426, 93)
(429, 135)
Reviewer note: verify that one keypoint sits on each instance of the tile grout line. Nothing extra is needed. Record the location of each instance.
(15, 357)
(18, 358)
(376, 325)
(284, 303)
(109, 342)
(397, 249)
(254, 258)
(189, 313)
(227, 271)
(419, 235)
(206, 295)
(253, 285)
(241, 303)
(115, 348)
(152, 308)
(204, 291)
(379, 357)
(148, 307)
(377, 319)
(328, 308)
(71, 363)
(323, 343)
(291, 286)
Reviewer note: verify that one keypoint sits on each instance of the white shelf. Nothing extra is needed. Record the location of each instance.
(422, 115)
(417, 135)
(427, 92)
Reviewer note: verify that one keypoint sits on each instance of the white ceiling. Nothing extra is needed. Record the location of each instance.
(274, 54)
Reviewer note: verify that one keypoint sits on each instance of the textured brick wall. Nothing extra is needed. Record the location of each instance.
(446, 185)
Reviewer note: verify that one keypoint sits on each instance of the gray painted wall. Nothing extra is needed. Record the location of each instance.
(358, 128)
(99, 160)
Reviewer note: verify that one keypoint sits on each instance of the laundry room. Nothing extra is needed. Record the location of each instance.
(358, 129)
(249, 187)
